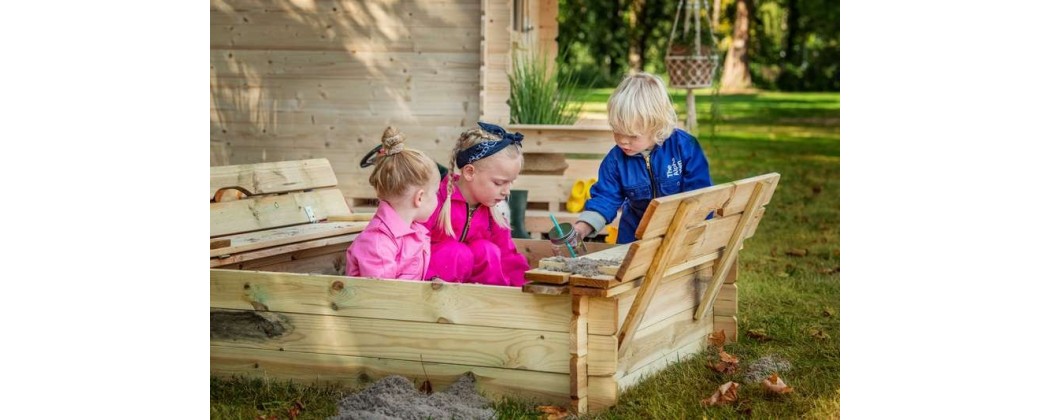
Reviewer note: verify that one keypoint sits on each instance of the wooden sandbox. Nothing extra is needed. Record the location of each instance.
(281, 308)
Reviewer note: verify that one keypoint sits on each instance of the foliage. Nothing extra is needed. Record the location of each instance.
(794, 44)
(540, 92)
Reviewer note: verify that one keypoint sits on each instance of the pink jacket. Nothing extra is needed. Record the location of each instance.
(388, 249)
(486, 254)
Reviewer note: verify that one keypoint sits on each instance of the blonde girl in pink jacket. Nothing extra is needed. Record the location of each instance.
(395, 244)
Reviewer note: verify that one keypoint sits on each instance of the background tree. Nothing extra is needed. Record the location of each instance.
(790, 44)
(737, 76)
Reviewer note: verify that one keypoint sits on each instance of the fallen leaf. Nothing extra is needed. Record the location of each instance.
(717, 339)
(426, 388)
(296, 409)
(776, 385)
(797, 252)
(828, 312)
(728, 358)
(553, 412)
(727, 364)
(827, 270)
(818, 334)
(726, 393)
(758, 334)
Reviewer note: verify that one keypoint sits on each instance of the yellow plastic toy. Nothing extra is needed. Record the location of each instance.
(581, 192)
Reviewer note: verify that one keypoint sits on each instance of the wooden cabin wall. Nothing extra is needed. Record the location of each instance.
(320, 78)
(301, 79)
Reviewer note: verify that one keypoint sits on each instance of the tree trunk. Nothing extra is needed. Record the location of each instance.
(636, 39)
(714, 16)
(736, 76)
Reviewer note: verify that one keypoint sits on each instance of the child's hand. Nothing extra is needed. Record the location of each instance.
(582, 229)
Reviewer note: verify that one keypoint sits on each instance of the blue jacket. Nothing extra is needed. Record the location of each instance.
(625, 183)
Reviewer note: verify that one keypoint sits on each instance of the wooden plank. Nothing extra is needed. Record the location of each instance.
(219, 243)
(405, 340)
(603, 356)
(667, 336)
(340, 9)
(274, 177)
(731, 277)
(283, 253)
(732, 248)
(709, 236)
(727, 199)
(726, 301)
(610, 292)
(678, 292)
(304, 253)
(540, 275)
(545, 289)
(727, 324)
(354, 371)
(268, 212)
(544, 164)
(578, 351)
(449, 303)
(356, 217)
(566, 139)
(286, 235)
(638, 259)
(652, 278)
(602, 392)
(332, 263)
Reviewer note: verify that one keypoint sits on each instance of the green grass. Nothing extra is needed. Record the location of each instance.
(794, 134)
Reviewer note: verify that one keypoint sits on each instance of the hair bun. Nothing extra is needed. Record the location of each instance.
(393, 141)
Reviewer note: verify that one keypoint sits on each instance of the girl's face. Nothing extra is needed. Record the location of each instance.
(488, 181)
(633, 145)
(428, 203)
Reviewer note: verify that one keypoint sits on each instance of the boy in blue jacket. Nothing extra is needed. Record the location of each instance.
(652, 158)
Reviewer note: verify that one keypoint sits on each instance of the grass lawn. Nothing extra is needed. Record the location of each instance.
(788, 282)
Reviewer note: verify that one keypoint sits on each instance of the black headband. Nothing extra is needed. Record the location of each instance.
(487, 148)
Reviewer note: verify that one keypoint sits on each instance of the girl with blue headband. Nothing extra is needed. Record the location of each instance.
(470, 231)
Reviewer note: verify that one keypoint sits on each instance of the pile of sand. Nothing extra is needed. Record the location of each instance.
(395, 397)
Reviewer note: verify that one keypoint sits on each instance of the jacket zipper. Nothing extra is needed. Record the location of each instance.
(652, 178)
(466, 225)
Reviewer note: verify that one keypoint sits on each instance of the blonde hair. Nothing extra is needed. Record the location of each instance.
(640, 105)
(467, 139)
(398, 168)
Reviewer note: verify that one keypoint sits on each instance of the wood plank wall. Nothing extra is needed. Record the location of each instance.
(311, 79)
(306, 79)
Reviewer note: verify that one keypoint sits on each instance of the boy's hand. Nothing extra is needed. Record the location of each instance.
(582, 229)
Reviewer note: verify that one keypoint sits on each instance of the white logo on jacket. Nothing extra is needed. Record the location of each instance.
(674, 168)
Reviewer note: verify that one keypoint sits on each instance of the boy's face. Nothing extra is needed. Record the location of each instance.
(633, 145)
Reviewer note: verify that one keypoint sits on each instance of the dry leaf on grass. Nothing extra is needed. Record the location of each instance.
(758, 334)
(727, 363)
(717, 339)
(818, 334)
(797, 252)
(726, 393)
(776, 385)
(296, 409)
(829, 270)
(828, 312)
(552, 412)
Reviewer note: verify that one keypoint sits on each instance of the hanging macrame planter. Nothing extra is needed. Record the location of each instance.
(690, 63)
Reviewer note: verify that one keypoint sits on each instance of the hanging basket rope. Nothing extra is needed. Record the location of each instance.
(691, 67)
